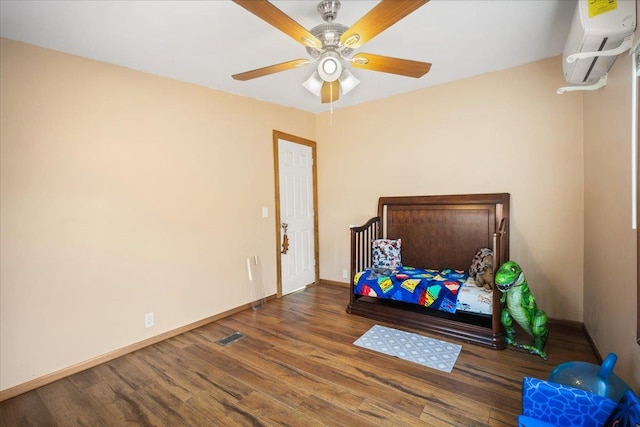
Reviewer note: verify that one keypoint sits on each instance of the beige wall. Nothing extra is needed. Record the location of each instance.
(123, 193)
(506, 131)
(610, 303)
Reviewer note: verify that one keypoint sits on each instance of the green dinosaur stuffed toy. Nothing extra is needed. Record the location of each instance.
(521, 307)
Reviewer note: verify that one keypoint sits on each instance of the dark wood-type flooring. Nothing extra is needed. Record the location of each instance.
(296, 366)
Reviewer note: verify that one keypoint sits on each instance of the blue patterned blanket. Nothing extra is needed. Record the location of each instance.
(437, 289)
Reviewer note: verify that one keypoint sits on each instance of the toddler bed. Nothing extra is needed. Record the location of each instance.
(410, 264)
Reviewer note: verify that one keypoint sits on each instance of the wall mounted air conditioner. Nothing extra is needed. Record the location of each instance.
(597, 26)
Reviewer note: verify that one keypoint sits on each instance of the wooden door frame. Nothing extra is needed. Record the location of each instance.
(635, 56)
(637, 95)
(277, 135)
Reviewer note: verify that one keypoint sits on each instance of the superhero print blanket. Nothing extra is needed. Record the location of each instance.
(436, 289)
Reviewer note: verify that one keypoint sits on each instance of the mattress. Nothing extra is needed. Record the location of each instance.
(474, 299)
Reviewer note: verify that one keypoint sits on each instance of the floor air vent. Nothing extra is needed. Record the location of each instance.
(230, 339)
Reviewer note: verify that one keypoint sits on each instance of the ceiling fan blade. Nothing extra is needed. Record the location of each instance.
(387, 64)
(382, 16)
(271, 69)
(330, 91)
(274, 16)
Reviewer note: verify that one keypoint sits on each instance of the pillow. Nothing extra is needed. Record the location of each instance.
(386, 253)
(627, 413)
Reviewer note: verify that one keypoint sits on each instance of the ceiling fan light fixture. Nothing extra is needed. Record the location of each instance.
(329, 67)
(314, 84)
(348, 81)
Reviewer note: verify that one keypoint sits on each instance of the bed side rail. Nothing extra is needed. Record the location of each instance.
(361, 237)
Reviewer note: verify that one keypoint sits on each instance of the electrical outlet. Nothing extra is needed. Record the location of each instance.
(345, 274)
(148, 320)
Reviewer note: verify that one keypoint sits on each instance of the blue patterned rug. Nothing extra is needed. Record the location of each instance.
(425, 351)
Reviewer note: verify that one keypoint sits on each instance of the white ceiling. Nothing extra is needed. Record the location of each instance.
(205, 42)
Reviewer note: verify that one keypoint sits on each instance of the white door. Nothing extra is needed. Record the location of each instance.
(295, 171)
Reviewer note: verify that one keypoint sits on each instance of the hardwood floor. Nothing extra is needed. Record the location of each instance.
(295, 367)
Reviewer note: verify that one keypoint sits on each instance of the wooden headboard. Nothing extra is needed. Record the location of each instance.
(445, 231)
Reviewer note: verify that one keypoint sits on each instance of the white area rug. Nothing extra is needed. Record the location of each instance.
(425, 351)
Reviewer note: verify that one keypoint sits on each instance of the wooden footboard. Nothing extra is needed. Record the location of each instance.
(437, 232)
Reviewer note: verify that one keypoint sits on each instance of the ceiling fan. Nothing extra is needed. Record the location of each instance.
(331, 43)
